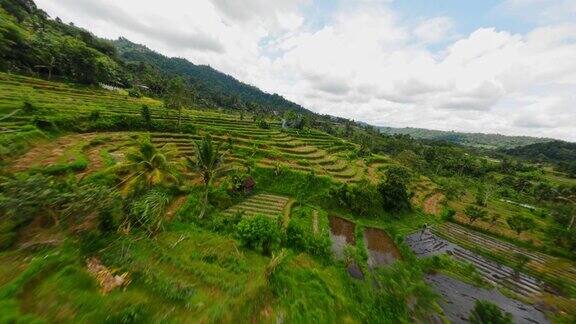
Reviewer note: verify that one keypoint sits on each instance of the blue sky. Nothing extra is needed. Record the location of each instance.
(504, 66)
(469, 15)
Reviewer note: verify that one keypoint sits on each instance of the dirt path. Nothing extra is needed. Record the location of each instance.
(288, 211)
(432, 204)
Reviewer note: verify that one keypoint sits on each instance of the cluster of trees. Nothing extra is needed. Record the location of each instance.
(33, 44)
(391, 195)
(560, 153)
(480, 140)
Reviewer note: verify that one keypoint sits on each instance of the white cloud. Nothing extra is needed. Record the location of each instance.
(541, 11)
(434, 30)
(363, 62)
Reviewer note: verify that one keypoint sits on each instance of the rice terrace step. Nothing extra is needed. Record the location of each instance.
(261, 204)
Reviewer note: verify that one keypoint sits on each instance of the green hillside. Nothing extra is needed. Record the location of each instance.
(34, 44)
(209, 86)
(559, 153)
(480, 140)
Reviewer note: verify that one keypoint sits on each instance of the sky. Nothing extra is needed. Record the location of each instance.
(490, 66)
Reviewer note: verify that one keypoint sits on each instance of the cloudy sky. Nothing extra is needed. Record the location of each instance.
(502, 66)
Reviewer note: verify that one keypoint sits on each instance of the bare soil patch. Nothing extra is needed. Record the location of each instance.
(432, 204)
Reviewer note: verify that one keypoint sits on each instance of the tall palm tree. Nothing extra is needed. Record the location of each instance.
(147, 166)
(208, 161)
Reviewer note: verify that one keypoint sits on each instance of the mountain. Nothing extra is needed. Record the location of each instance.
(480, 140)
(210, 86)
(32, 43)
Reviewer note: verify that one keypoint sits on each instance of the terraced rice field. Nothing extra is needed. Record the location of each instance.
(306, 151)
(72, 148)
(261, 204)
(427, 244)
(276, 149)
(541, 263)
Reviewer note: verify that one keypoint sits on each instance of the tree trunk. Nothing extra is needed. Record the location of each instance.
(205, 202)
(179, 118)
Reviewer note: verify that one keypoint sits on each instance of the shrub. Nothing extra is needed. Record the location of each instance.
(487, 312)
(148, 210)
(259, 233)
(301, 240)
(448, 214)
(134, 93)
(362, 199)
(146, 115)
(28, 108)
(474, 213)
(263, 124)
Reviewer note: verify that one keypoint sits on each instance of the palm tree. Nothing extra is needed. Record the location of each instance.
(208, 161)
(147, 166)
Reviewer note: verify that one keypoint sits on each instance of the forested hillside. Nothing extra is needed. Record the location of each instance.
(34, 44)
(560, 153)
(31, 43)
(208, 86)
(481, 140)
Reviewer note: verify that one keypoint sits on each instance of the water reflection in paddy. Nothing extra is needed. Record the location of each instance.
(381, 248)
(341, 234)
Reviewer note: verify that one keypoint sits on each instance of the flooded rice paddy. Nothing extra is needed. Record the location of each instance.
(459, 297)
(341, 234)
(381, 248)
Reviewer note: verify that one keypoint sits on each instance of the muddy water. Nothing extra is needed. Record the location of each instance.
(459, 298)
(381, 248)
(341, 234)
(428, 244)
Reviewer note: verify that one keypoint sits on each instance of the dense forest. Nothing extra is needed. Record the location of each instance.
(209, 87)
(479, 140)
(559, 153)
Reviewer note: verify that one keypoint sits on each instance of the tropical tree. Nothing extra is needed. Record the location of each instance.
(474, 213)
(208, 161)
(394, 190)
(176, 96)
(147, 116)
(520, 223)
(147, 166)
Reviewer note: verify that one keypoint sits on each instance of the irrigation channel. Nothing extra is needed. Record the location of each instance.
(459, 297)
(381, 248)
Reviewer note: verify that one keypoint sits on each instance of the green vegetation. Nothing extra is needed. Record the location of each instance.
(561, 154)
(479, 140)
(223, 216)
(487, 312)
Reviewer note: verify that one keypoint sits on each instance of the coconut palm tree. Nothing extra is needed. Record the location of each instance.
(208, 161)
(147, 166)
